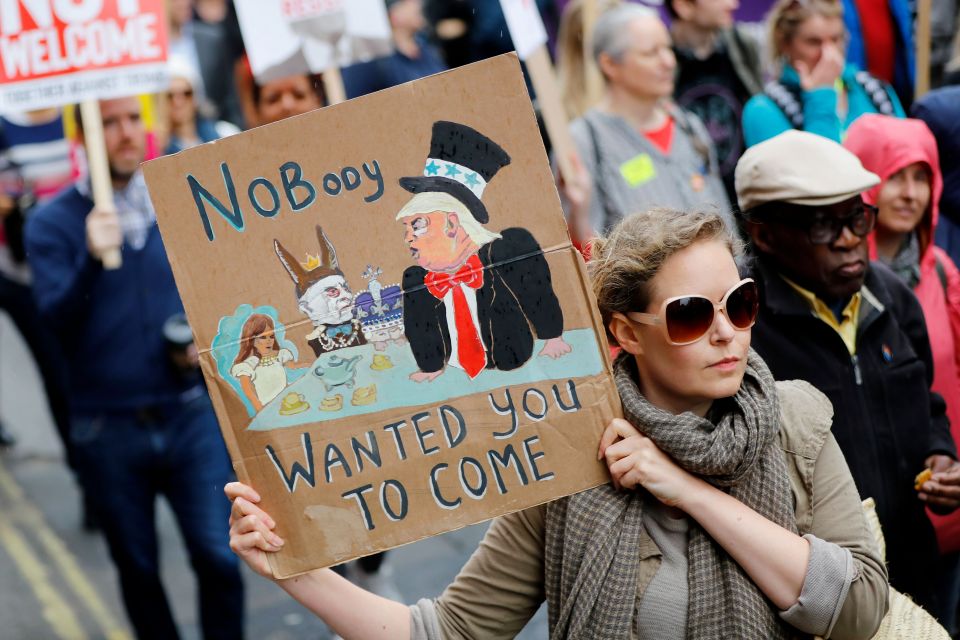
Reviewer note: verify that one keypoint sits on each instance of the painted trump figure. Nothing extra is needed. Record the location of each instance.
(476, 299)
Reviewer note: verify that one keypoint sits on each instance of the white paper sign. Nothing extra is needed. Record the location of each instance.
(291, 37)
(525, 24)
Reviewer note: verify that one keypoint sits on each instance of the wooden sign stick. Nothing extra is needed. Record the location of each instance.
(333, 86)
(555, 118)
(99, 167)
(551, 108)
(592, 82)
(924, 11)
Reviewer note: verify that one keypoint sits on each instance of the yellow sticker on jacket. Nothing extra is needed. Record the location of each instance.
(638, 170)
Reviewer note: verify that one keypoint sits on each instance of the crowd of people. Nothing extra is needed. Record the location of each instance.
(773, 246)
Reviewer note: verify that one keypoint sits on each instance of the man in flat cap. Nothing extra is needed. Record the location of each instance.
(856, 332)
(476, 299)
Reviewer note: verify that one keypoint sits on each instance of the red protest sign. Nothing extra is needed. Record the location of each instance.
(55, 52)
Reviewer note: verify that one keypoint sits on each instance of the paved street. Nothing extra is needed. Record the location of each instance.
(57, 582)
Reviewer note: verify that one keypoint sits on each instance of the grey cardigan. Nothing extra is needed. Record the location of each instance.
(631, 174)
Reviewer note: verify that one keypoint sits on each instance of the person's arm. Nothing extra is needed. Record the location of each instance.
(246, 383)
(494, 596)
(589, 212)
(953, 298)
(64, 272)
(501, 586)
(909, 315)
(762, 120)
(820, 95)
(775, 559)
(351, 611)
(820, 113)
(856, 610)
(575, 198)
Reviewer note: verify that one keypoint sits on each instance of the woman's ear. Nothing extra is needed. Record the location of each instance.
(626, 334)
(608, 66)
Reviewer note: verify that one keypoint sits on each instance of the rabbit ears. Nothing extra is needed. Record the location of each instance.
(315, 269)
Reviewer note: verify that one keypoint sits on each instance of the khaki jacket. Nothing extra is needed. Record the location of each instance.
(501, 586)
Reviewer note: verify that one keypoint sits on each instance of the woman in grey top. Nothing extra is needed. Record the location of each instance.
(730, 512)
(638, 148)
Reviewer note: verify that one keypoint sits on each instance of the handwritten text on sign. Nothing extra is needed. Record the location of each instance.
(423, 434)
(44, 43)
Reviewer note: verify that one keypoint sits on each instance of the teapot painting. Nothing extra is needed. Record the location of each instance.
(337, 371)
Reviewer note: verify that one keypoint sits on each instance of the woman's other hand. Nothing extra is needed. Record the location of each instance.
(251, 529)
(633, 459)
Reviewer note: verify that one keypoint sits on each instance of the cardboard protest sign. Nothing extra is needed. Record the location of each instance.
(293, 37)
(54, 52)
(398, 337)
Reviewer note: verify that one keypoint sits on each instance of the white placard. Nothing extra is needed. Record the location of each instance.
(525, 24)
(290, 37)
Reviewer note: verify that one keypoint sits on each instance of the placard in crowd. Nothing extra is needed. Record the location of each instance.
(54, 53)
(285, 38)
(397, 334)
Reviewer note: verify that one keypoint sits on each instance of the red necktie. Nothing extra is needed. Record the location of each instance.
(470, 351)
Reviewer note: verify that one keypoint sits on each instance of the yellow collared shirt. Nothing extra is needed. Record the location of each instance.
(847, 327)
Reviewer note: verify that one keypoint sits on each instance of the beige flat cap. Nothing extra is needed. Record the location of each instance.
(802, 168)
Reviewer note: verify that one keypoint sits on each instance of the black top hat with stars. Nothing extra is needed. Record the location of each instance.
(462, 162)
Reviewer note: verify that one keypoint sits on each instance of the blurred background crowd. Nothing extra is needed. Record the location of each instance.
(663, 99)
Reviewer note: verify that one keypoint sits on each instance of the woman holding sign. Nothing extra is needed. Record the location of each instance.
(731, 512)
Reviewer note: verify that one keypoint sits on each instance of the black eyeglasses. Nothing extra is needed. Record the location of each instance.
(824, 228)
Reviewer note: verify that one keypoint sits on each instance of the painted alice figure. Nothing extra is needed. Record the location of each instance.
(260, 365)
(730, 512)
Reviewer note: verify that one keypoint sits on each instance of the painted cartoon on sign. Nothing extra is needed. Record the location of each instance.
(260, 364)
(477, 299)
(254, 356)
(478, 310)
(436, 357)
(380, 310)
(324, 297)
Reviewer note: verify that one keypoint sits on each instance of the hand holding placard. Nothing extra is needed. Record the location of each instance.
(104, 236)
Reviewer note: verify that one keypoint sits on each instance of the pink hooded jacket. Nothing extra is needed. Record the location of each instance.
(886, 145)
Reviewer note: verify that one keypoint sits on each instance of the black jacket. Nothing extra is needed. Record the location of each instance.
(886, 419)
(515, 302)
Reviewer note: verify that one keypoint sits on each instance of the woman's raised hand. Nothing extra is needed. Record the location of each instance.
(633, 459)
(825, 72)
(251, 529)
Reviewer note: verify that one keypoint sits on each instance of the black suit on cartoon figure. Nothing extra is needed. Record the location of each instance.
(515, 305)
(497, 285)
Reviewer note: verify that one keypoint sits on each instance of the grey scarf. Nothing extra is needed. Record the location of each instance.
(906, 263)
(591, 555)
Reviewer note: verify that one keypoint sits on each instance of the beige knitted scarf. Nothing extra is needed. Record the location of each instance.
(591, 554)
